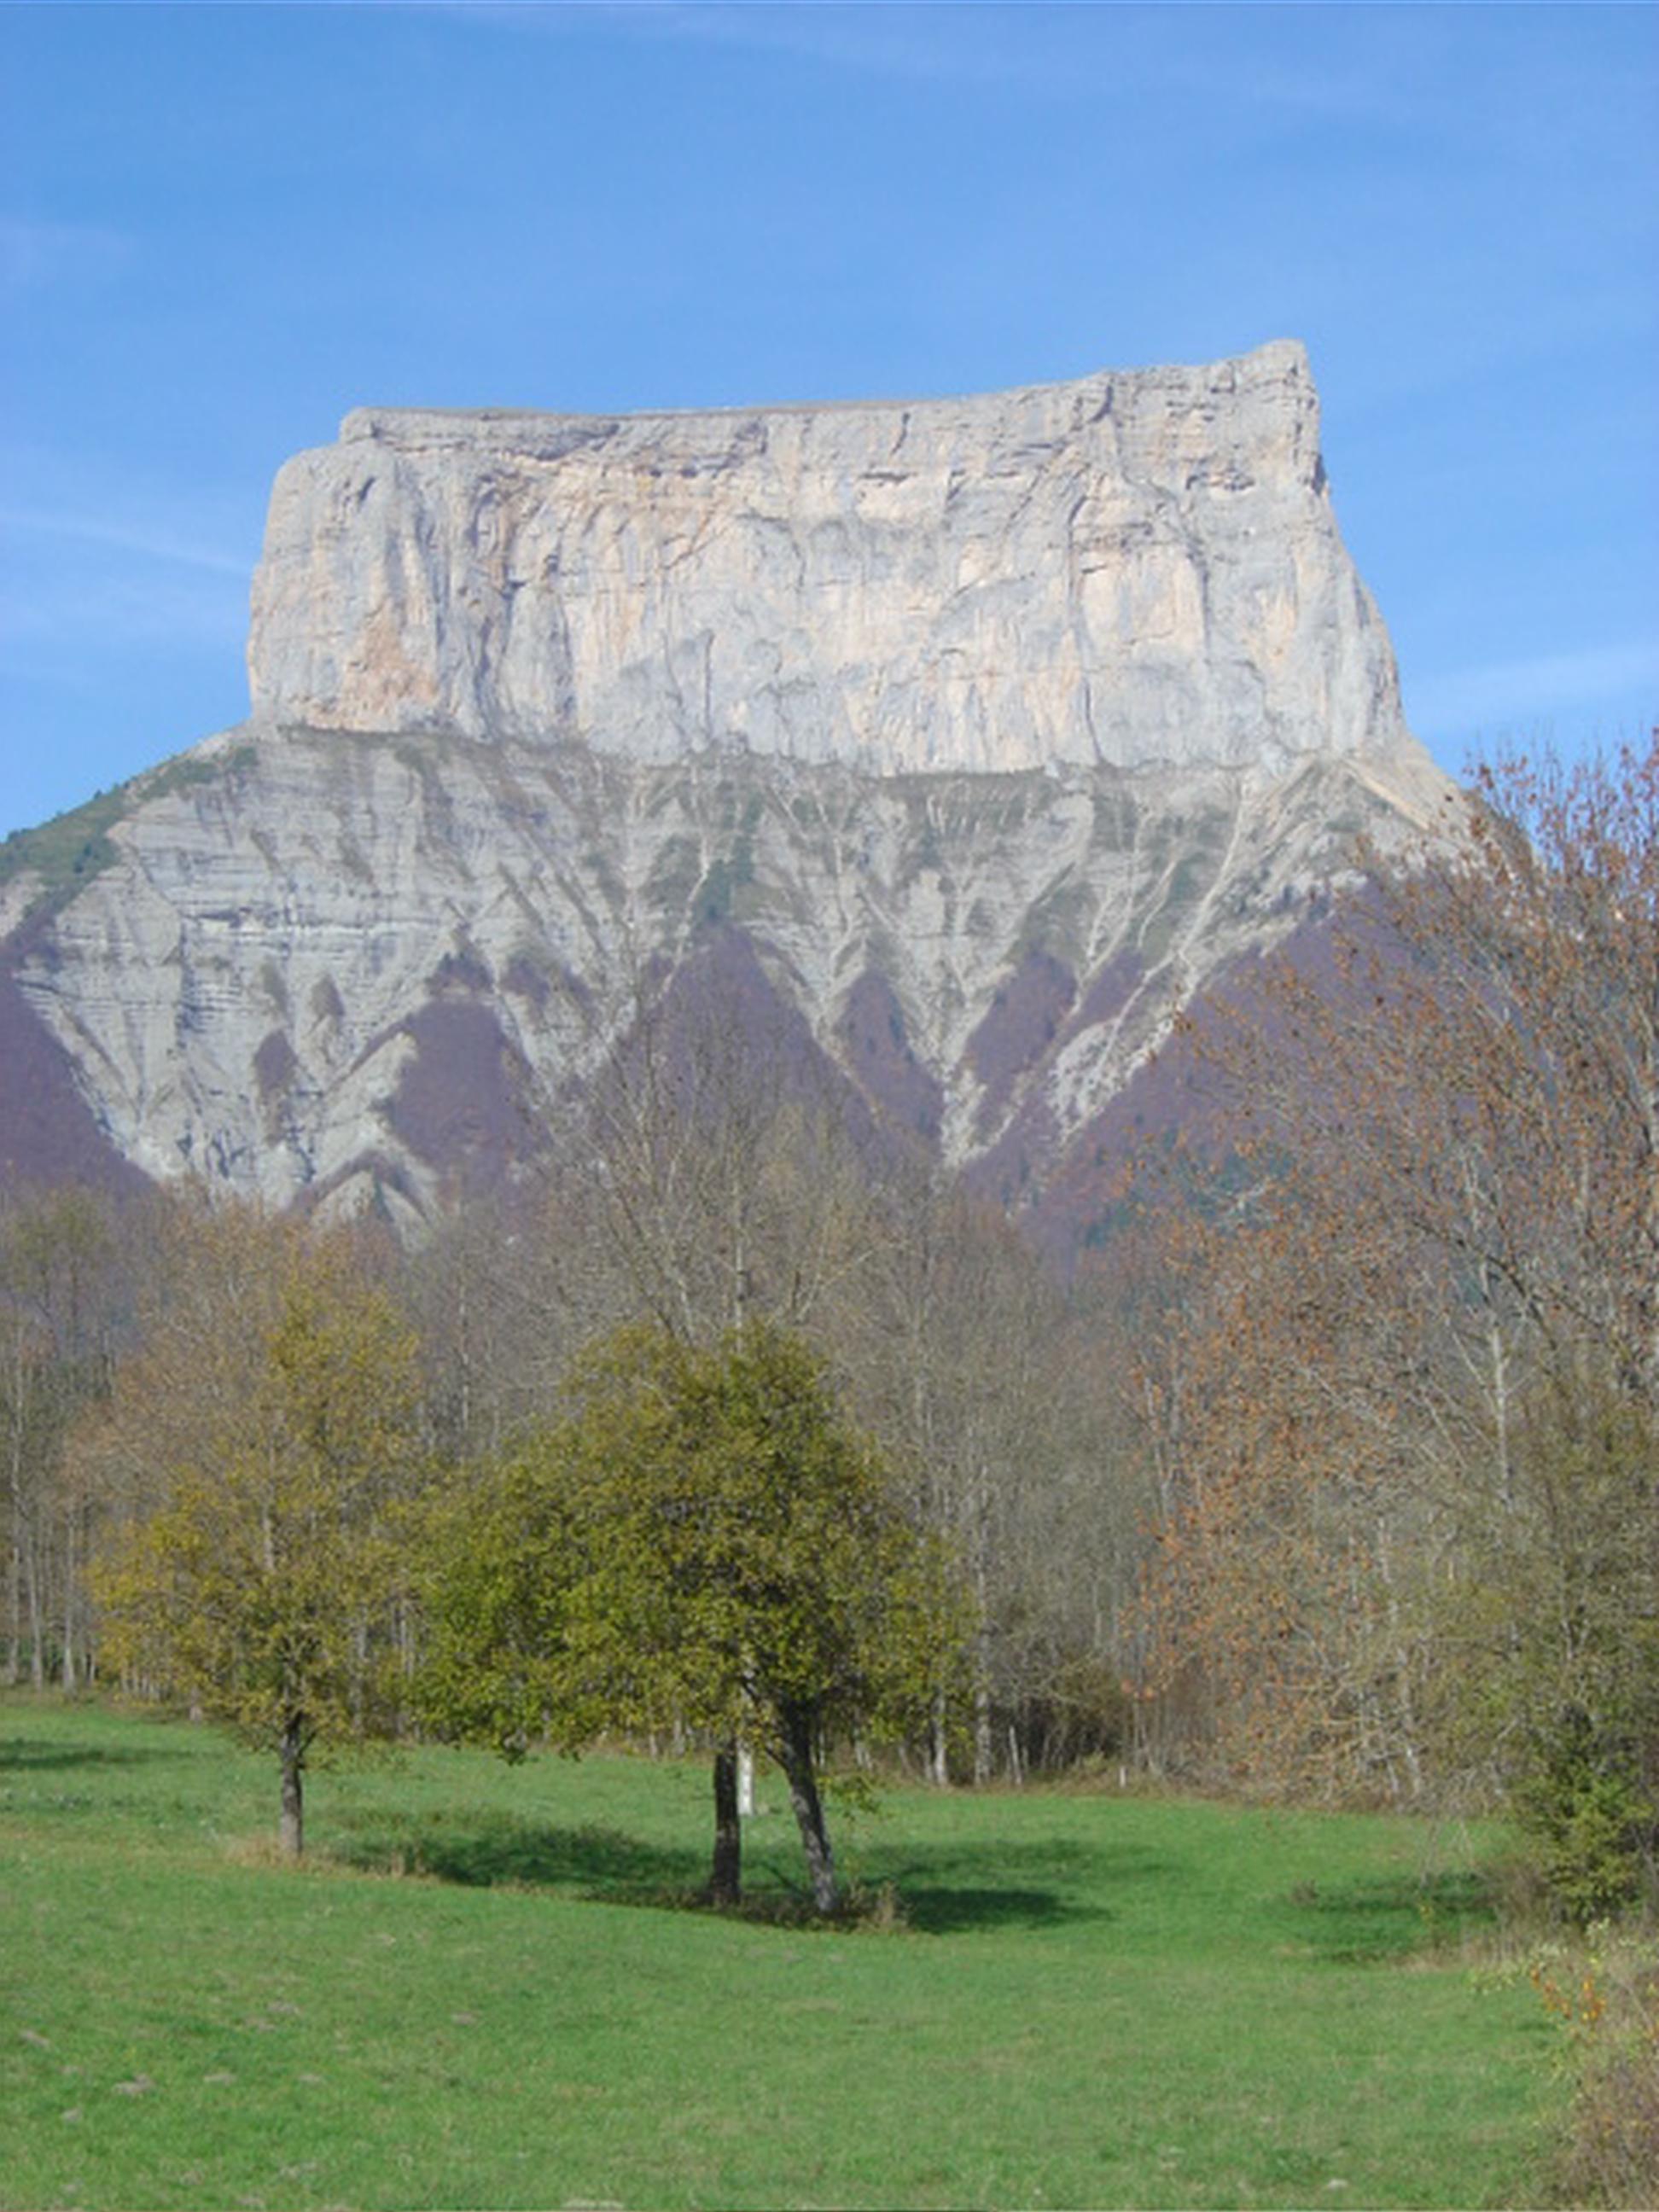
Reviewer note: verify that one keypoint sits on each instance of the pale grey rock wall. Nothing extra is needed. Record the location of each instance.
(908, 692)
(237, 988)
(1131, 570)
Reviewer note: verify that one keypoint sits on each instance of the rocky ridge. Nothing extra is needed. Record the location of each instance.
(1133, 570)
(993, 732)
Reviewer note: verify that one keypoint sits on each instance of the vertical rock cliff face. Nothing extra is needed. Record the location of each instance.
(982, 734)
(1134, 570)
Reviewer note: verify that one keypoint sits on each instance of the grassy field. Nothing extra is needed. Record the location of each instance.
(474, 1995)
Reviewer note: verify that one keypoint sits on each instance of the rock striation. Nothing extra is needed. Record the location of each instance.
(983, 736)
(1133, 570)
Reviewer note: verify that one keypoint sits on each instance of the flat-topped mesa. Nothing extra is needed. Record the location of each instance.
(1133, 568)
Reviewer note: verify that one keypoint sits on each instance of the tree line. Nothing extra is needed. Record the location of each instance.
(1333, 1470)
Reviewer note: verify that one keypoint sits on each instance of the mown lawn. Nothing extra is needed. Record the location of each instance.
(477, 1994)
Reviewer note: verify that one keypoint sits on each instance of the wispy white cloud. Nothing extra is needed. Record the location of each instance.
(149, 542)
(35, 253)
(79, 630)
(1378, 63)
(93, 565)
(943, 44)
(1064, 52)
(930, 45)
(1610, 685)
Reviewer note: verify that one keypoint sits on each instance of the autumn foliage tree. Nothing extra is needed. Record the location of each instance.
(1417, 1390)
(268, 1439)
(1273, 1646)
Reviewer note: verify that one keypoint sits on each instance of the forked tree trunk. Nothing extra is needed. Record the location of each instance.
(290, 1831)
(725, 1870)
(809, 1811)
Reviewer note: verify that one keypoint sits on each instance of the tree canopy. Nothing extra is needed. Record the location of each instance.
(1410, 1398)
(269, 1459)
(705, 1542)
(1335, 1470)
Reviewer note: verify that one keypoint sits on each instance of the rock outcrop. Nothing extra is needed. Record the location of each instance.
(988, 734)
(1134, 570)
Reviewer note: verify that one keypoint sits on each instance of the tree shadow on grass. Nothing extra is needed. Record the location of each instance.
(961, 1889)
(939, 1909)
(1394, 1916)
(35, 1755)
(486, 1850)
(950, 1890)
(946, 1892)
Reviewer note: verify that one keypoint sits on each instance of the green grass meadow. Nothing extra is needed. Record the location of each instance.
(478, 1992)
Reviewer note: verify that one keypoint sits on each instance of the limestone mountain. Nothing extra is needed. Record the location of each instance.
(984, 734)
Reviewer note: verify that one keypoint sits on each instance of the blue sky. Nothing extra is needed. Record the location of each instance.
(221, 228)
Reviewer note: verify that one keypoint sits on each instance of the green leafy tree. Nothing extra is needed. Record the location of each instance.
(262, 1573)
(1547, 1631)
(703, 1542)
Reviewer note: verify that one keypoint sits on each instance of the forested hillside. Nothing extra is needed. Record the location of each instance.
(1332, 1471)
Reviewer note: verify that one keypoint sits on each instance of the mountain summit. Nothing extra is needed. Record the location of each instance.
(1133, 570)
(979, 736)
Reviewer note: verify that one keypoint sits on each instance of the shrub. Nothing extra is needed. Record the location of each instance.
(1608, 1999)
(1590, 1819)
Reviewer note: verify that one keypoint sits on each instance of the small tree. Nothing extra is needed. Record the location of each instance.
(703, 1542)
(1548, 1626)
(263, 1581)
